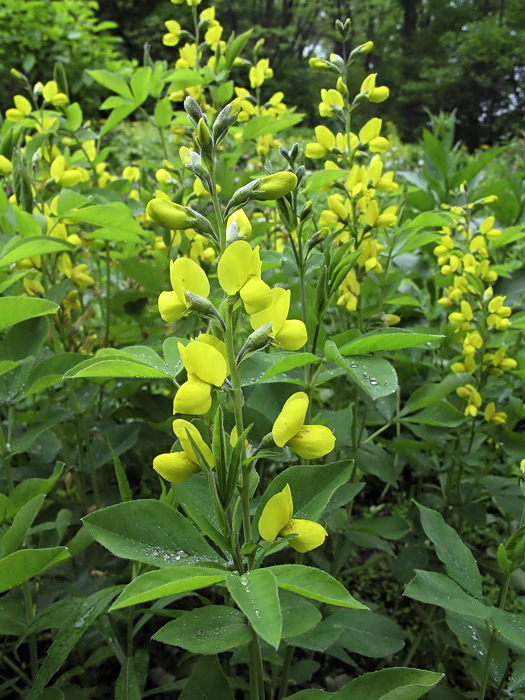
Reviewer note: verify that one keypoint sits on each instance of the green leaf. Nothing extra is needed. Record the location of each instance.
(259, 126)
(20, 566)
(167, 582)
(111, 81)
(234, 47)
(163, 113)
(68, 635)
(19, 248)
(315, 584)
(208, 630)
(194, 496)
(389, 684)
(430, 219)
(511, 627)
(459, 562)
(127, 686)
(149, 531)
(256, 595)
(16, 309)
(375, 376)
(73, 116)
(290, 361)
(431, 393)
(321, 178)
(207, 681)
(373, 459)
(140, 84)
(185, 77)
(9, 281)
(438, 589)
(312, 487)
(386, 339)
(390, 527)
(30, 488)
(367, 633)
(299, 616)
(440, 414)
(22, 521)
(115, 217)
(114, 368)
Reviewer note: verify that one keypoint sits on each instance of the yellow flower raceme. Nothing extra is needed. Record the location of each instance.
(239, 270)
(289, 334)
(277, 519)
(206, 368)
(180, 466)
(185, 276)
(308, 441)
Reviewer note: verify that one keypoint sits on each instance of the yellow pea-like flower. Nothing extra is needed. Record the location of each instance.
(275, 186)
(276, 519)
(185, 276)
(330, 100)
(206, 368)
(326, 142)
(21, 109)
(308, 441)
(6, 166)
(169, 214)
(177, 467)
(373, 93)
(239, 270)
(289, 334)
(172, 37)
(244, 226)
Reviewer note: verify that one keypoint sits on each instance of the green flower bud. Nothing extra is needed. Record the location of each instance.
(226, 117)
(275, 186)
(204, 307)
(204, 138)
(319, 64)
(193, 110)
(169, 215)
(341, 87)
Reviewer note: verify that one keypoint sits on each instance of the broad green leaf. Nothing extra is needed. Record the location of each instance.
(167, 582)
(438, 589)
(11, 279)
(73, 116)
(315, 584)
(367, 633)
(20, 248)
(22, 521)
(113, 217)
(140, 84)
(290, 361)
(194, 496)
(389, 684)
(20, 566)
(28, 489)
(207, 681)
(51, 370)
(477, 638)
(299, 616)
(234, 47)
(375, 376)
(256, 595)
(373, 459)
(185, 77)
(127, 686)
(69, 634)
(16, 309)
(259, 126)
(457, 557)
(511, 627)
(149, 531)
(163, 113)
(431, 393)
(312, 487)
(430, 219)
(111, 81)
(391, 527)
(387, 339)
(7, 366)
(114, 368)
(261, 364)
(208, 630)
(440, 414)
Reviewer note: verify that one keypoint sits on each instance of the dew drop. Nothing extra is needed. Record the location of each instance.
(156, 553)
(373, 381)
(365, 375)
(198, 633)
(353, 364)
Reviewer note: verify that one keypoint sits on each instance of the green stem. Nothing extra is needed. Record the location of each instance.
(287, 662)
(493, 638)
(108, 295)
(256, 670)
(30, 614)
(5, 449)
(16, 669)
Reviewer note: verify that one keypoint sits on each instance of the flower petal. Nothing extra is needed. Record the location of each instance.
(181, 428)
(204, 361)
(234, 266)
(170, 307)
(292, 335)
(175, 466)
(256, 295)
(313, 441)
(187, 276)
(309, 534)
(193, 397)
(291, 418)
(276, 514)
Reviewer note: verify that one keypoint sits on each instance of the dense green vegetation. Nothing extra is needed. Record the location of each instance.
(261, 359)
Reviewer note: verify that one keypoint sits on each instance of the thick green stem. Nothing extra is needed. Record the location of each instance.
(256, 670)
(30, 614)
(287, 662)
(108, 295)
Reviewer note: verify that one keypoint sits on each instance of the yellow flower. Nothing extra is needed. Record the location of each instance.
(492, 416)
(473, 397)
(206, 368)
(6, 167)
(180, 466)
(349, 292)
(185, 276)
(78, 274)
(276, 519)
(373, 93)
(289, 334)
(462, 318)
(330, 100)
(131, 173)
(188, 56)
(369, 135)
(325, 143)
(260, 72)
(275, 186)
(244, 226)
(172, 38)
(51, 94)
(308, 441)
(239, 270)
(21, 109)
(63, 175)
(498, 316)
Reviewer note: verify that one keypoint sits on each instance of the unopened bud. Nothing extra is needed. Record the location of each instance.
(257, 340)
(305, 211)
(320, 64)
(300, 173)
(341, 87)
(226, 117)
(276, 185)
(204, 138)
(343, 29)
(204, 307)
(294, 151)
(193, 110)
(15, 73)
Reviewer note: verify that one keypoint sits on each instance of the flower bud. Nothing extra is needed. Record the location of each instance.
(305, 211)
(15, 73)
(169, 215)
(226, 117)
(193, 110)
(257, 340)
(6, 167)
(204, 307)
(204, 138)
(341, 87)
(275, 186)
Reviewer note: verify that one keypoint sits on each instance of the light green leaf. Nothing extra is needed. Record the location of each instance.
(315, 584)
(321, 178)
(208, 630)
(112, 217)
(259, 126)
(140, 84)
(256, 595)
(185, 77)
(111, 81)
(430, 219)
(16, 309)
(22, 565)
(375, 376)
(22, 521)
(439, 414)
(114, 368)
(19, 248)
(149, 531)
(299, 616)
(387, 339)
(438, 589)
(207, 681)
(511, 627)
(431, 393)
(457, 557)
(390, 684)
(167, 582)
